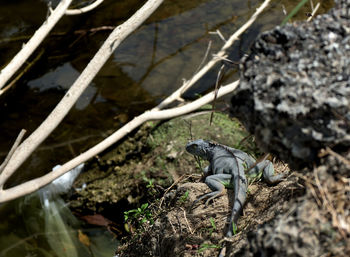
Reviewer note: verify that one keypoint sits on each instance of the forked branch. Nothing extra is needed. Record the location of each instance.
(60, 111)
(84, 9)
(33, 43)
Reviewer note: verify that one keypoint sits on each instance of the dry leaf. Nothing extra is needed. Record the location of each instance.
(83, 238)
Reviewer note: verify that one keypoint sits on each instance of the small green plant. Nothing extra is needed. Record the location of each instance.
(213, 226)
(204, 247)
(184, 197)
(227, 185)
(139, 215)
(198, 162)
(234, 228)
(245, 166)
(150, 183)
(254, 177)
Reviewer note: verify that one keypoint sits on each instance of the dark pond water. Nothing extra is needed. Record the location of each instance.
(148, 66)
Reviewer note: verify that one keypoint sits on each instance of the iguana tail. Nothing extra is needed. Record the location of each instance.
(240, 186)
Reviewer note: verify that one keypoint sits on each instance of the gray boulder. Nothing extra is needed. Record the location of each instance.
(294, 94)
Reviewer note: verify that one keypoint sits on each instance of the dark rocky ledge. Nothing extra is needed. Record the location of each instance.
(294, 94)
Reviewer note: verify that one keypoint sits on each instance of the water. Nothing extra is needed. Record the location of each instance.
(148, 66)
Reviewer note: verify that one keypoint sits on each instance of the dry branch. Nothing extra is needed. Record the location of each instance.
(33, 43)
(72, 95)
(13, 148)
(84, 9)
(314, 10)
(13, 82)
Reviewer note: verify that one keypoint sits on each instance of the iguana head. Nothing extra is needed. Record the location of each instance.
(201, 148)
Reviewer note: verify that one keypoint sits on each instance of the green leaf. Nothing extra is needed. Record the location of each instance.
(212, 222)
(294, 11)
(144, 206)
(208, 246)
(234, 228)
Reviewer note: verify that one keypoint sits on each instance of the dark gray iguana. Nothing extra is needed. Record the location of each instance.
(227, 167)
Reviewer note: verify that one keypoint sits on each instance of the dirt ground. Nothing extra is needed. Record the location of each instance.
(305, 215)
(200, 232)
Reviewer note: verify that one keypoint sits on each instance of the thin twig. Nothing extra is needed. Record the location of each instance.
(312, 5)
(189, 125)
(205, 57)
(262, 159)
(33, 43)
(13, 149)
(221, 36)
(13, 82)
(313, 192)
(328, 150)
(84, 9)
(94, 30)
(313, 12)
(188, 224)
(217, 87)
(199, 67)
(311, 182)
(172, 226)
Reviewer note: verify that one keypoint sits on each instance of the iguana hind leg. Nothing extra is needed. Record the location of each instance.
(269, 172)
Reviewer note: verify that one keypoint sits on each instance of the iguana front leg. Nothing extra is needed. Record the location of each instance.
(206, 172)
(217, 184)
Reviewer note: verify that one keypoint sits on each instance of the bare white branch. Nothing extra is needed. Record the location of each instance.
(313, 12)
(312, 5)
(13, 148)
(84, 9)
(221, 35)
(284, 10)
(26, 51)
(51, 122)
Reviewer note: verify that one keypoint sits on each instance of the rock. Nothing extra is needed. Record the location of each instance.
(294, 94)
(309, 228)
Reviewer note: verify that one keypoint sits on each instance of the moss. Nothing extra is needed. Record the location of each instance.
(174, 134)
